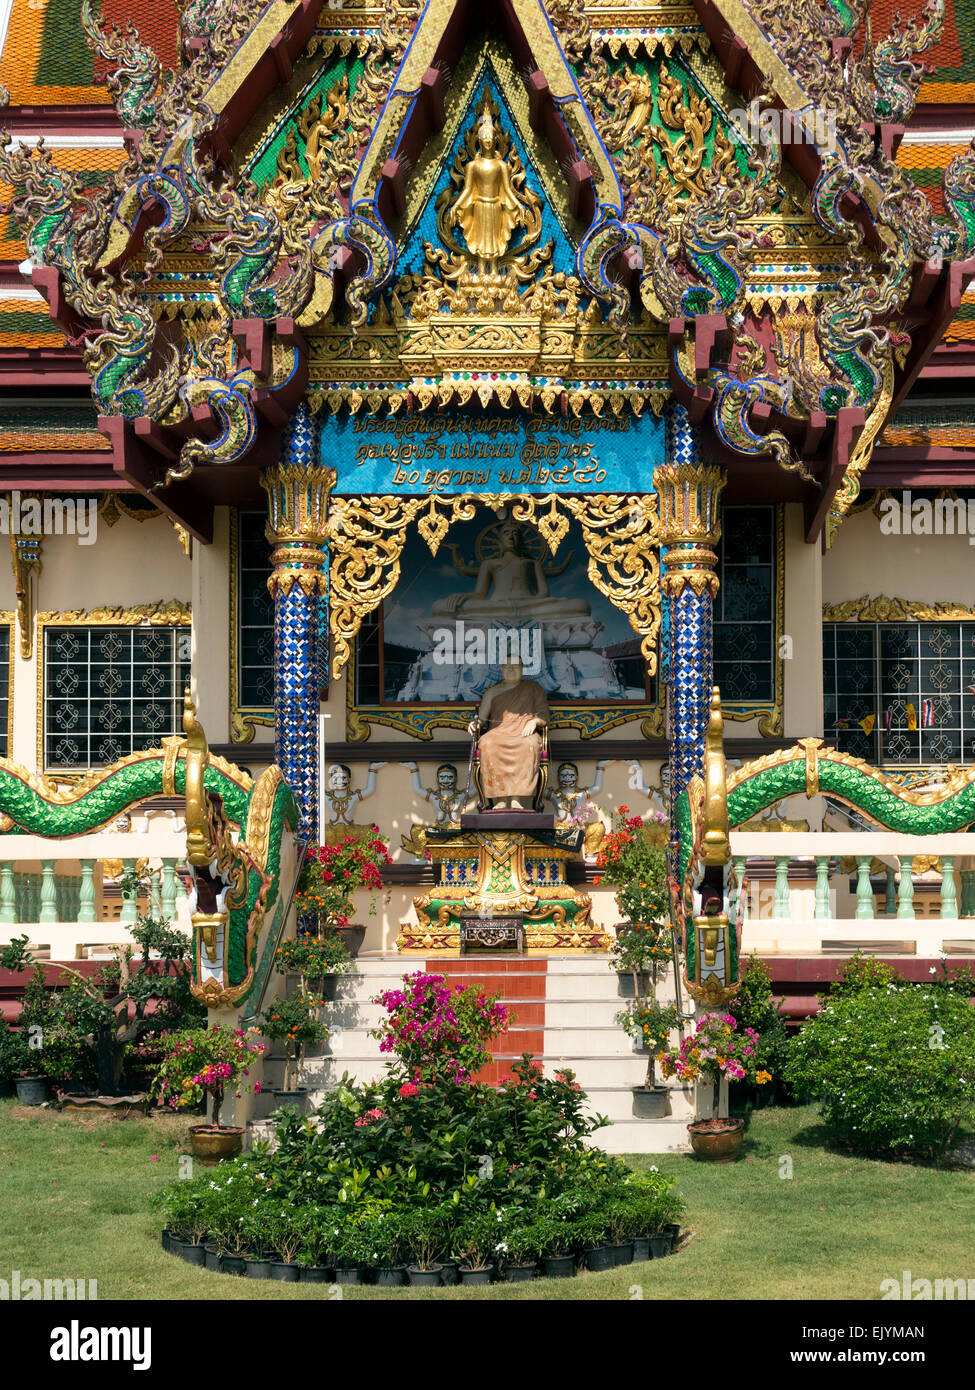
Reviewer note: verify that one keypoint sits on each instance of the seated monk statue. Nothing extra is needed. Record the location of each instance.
(512, 714)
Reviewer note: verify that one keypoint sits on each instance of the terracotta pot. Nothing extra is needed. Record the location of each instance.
(717, 1140)
(211, 1143)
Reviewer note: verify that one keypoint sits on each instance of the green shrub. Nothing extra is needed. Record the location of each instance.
(755, 1006)
(863, 972)
(893, 1068)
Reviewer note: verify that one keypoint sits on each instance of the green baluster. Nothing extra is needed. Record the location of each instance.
(890, 894)
(821, 910)
(864, 889)
(735, 903)
(86, 896)
(905, 892)
(168, 893)
(8, 892)
(49, 892)
(128, 913)
(949, 903)
(968, 892)
(780, 900)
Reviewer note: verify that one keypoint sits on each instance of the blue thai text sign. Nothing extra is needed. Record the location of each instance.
(493, 452)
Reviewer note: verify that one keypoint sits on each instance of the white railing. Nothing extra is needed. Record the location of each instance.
(64, 895)
(910, 892)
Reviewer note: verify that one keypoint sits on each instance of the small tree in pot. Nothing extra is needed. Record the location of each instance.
(295, 1022)
(632, 859)
(201, 1064)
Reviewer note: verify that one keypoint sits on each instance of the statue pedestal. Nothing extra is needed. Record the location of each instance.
(492, 934)
(508, 818)
(503, 870)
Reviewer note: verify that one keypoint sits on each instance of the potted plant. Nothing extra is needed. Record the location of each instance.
(591, 1233)
(331, 875)
(382, 1239)
(284, 1240)
(200, 1064)
(318, 960)
(717, 1048)
(520, 1247)
(423, 1234)
(94, 1019)
(632, 859)
(473, 1245)
(558, 1244)
(294, 1021)
(12, 1058)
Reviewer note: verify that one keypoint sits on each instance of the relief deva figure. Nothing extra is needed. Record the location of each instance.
(488, 209)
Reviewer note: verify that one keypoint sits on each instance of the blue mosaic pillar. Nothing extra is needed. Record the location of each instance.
(688, 495)
(298, 490)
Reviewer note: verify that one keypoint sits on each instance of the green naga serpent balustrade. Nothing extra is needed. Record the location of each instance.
(237, 881)
(714, 804)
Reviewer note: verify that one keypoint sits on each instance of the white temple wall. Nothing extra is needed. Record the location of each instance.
(925, 568)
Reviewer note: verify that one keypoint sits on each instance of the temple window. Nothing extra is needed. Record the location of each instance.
(255, 616)
(110, 691)
(744, 610)
(901, 694)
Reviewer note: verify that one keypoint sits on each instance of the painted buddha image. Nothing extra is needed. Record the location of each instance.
(511, 585)
(488, 210)
(513, 714)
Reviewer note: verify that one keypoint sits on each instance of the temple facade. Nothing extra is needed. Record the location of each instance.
(354, 354)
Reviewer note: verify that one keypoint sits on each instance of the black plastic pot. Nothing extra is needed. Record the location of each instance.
(193, 1254)
(476, 1276)
(559, 1266)
(641, 1249)
(166, 1239)
(672, 1229)
(285, 1273)
(258, 1269)
(519, 1274)
(298, 1097)
(317, 1274)
(624, 1252)
(212, 1259)
(626, 986)
(391, 1277)
(349, 1274)
(650, 1102)
(660, 1246)
(31, 1090)
(600, 1258)
(449, 1272)
(233, 1264)
(6, 1087)
(425, 1278)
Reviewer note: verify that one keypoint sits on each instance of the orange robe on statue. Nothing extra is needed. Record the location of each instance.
(509, 758)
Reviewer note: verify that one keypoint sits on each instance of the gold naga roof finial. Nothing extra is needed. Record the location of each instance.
(199, 850)
(716, 845)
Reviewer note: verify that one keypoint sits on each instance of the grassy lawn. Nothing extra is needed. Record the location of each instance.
(76, 1204)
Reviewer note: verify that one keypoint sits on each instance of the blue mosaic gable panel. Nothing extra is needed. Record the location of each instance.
(412, 259)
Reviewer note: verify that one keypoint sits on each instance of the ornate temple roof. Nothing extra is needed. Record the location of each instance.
(766, 213)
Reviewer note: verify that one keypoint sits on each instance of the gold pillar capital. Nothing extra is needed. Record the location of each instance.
(297, 504)
(689, 527)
